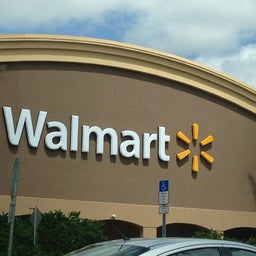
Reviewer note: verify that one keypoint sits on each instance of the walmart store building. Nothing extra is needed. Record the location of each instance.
(98, 124)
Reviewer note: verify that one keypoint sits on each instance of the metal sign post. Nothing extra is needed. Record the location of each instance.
(13, 192)
(35, 219)
(163, 200)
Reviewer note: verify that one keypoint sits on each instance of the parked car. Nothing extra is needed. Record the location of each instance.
(167, 247)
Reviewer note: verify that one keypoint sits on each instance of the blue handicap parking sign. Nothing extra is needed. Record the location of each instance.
(163, 185)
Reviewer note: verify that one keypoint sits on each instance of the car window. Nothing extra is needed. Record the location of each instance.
(109, 249)
(199, 252)
(241, 252)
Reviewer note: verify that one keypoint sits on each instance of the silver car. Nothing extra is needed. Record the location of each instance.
(167, 247)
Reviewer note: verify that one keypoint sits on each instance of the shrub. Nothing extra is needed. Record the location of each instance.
(57, 234)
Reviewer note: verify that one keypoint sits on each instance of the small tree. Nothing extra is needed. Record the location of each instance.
(22, 237)
(4, 235)
(58, 234)
(2, 67)
(211, 234)
(251, 240)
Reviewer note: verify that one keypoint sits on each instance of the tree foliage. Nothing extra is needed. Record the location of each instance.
(2, 67)
(4, 234)
(57, 234)
(210, 234)
(213, 234)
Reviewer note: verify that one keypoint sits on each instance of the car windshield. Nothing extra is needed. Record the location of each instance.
(109, 250)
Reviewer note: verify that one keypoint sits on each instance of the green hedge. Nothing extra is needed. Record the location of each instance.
(2, 67)
(57, 234)
(213, 234)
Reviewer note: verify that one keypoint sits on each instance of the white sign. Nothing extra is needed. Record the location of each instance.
(58, 138)
(163, 209)
(163, 198)
(163, 195)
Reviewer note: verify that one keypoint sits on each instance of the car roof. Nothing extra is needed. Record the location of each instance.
(158, 246)
(154, 243)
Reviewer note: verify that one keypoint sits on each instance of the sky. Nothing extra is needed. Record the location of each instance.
(220, 34)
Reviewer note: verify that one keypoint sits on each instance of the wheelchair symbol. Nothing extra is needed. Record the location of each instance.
(163, 185)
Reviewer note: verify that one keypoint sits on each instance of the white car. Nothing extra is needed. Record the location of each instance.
(167, 247)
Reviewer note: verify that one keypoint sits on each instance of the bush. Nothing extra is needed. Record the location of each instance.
(211, 234)
(57, 234)
(2, 67)
(251, 240)
(4, 234)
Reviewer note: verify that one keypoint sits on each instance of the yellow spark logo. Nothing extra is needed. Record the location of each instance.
(185, 153)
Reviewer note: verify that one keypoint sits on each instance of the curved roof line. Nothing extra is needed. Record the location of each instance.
(15, 48)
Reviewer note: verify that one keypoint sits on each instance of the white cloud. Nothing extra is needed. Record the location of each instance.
(218, 33)
(240, 64)
(194, 27)
(33, 13)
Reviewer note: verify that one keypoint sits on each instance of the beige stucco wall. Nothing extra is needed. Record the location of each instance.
(146, 216)
(138, 93)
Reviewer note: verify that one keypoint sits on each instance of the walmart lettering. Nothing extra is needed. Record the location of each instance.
(58, 139)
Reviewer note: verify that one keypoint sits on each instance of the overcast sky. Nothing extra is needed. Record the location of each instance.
(218, 33)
